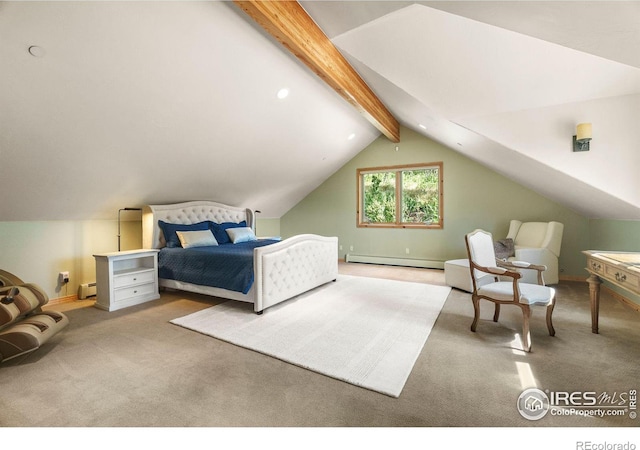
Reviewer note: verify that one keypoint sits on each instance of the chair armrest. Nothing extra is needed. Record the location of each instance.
(8, 292)
(5, 289)
(521, 265)
(499, 271)
(524, 265)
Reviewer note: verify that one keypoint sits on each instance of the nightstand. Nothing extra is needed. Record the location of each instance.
(126, 278)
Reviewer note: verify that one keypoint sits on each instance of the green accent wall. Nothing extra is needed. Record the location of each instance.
(474, 197)
(267, 227)
(615, 235)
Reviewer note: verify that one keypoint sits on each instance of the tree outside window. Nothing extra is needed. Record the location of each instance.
(400, 196)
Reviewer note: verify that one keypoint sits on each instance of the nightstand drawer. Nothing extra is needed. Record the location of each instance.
(135, 291)
(133, 278)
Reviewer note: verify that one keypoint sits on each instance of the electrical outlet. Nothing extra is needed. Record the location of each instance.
(351, 248)
(341, 248)
(406, 251)
(63, 277)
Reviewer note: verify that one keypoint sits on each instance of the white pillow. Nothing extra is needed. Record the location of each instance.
(242, 234)
(201, 238)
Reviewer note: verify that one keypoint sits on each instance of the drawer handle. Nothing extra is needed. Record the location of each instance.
(135, 279)
(620, 277)
(135, 292)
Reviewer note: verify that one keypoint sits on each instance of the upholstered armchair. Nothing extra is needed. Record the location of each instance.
(537, 243)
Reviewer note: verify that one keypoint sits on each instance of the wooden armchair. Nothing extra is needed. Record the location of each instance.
(483, 263)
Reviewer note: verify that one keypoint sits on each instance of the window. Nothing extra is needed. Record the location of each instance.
(400, 196)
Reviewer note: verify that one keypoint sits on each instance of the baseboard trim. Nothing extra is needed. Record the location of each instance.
(621, 298)
(616, 295)
(390, 261)
(573, 278)
(60, 300)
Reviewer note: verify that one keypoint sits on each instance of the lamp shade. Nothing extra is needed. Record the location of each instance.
(583, 132)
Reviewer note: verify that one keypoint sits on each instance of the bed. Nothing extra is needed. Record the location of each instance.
(277, 270)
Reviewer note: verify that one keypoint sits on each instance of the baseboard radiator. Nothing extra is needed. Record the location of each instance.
(86, 290)
(390, 261)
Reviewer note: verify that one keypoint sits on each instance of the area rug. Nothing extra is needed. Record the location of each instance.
(365, 331)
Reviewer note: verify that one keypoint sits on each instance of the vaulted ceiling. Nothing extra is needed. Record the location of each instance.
(128, 103)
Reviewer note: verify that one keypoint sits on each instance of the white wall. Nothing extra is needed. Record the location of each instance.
(545, 134)
(37, 251)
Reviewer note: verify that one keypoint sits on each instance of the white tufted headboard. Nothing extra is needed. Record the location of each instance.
(188, 213)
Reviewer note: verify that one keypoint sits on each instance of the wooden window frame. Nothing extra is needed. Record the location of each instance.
(398, 190)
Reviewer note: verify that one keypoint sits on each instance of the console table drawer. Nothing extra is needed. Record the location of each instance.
(622, 277)
(595, 266)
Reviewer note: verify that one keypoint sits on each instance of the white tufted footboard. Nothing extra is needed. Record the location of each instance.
(293, 266)
(281, 271)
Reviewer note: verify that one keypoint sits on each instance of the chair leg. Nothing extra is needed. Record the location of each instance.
(476, 312)
(552, 331)
(526, 336)
(496, 314)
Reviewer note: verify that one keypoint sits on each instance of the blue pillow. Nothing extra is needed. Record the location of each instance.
(169, 231)
(220, 230)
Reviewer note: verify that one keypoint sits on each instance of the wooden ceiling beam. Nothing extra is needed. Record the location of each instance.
(289, 23)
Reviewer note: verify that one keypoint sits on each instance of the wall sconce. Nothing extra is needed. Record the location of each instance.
(119, 211)
(582, 137)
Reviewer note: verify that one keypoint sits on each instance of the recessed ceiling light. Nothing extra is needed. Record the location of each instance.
(283, 93)
(351, 136)
(36, 51)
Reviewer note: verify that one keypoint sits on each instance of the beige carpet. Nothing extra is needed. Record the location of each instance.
(365, 331)
(132, 368)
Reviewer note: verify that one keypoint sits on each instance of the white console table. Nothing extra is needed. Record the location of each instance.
(126, 278)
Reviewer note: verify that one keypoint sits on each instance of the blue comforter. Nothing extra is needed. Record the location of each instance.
(228, 266)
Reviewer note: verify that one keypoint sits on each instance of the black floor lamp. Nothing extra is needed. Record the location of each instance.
(255, 225)
(120, 211)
